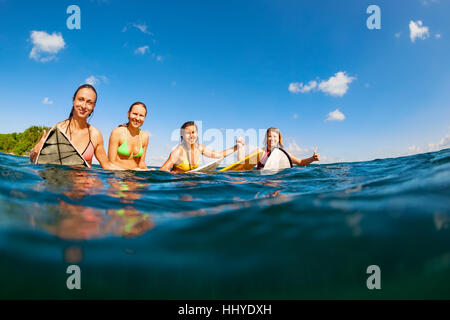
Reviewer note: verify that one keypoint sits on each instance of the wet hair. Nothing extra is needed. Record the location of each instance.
(131, 108)
(280, 137)
(184, 126)
(84, 86)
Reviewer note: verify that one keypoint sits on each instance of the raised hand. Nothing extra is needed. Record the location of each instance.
(316, 156)
(241, 141)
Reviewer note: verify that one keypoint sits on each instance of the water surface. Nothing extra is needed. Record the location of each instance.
(301, 233)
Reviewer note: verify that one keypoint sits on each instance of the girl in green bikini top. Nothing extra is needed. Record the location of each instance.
(127, 143)
(123, 148)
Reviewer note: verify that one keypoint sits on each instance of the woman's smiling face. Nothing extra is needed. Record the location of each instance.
(137, 115)
(273, 139)
(84, 102)
(190, 134)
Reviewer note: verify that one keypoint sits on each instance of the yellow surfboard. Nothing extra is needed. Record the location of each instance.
(245, 164)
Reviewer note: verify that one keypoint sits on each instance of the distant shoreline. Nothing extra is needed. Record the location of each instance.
(21, 143)
(12, 154)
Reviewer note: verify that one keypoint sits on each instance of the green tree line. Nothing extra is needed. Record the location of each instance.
(21, 143)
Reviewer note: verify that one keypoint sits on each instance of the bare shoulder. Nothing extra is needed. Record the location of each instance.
(63, 124)
(177, 152)
(96, 135)
(145, 135)
(117, 131)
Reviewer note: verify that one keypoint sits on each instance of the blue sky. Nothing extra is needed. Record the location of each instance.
(238, 64)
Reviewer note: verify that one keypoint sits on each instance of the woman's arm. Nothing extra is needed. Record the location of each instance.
(100, 153)
(208, 152)
(173, 160)
(34, 152)
(142, 164)
(305, 162)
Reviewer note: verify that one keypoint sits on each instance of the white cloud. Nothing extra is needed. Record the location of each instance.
(45, 46)
(336, 86)
(444, 143)
(142, 50)
(296, 87)
(93, 80)
(294, 148)
(47, 101)
(416, 30)
(47, 59)
(140, 26)
(335, 115)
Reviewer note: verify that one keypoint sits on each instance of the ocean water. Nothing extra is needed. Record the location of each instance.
(303, 233)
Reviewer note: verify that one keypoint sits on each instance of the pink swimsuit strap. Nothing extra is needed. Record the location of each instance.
(262, 162)
(88, 154)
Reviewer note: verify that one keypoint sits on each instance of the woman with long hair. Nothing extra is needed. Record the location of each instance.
(87, 139)
(127, 143)
(274, 139)
(186, 155)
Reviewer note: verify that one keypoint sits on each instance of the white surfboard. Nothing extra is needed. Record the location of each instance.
(209, 167)
(57, 149)
(278, 160)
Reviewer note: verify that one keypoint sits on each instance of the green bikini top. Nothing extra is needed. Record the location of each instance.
(123, 148)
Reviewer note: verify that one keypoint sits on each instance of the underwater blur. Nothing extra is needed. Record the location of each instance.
(302, 233)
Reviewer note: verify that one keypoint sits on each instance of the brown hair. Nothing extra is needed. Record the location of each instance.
(280, 137)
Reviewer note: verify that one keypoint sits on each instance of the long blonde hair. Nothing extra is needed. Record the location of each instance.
(280, 136)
